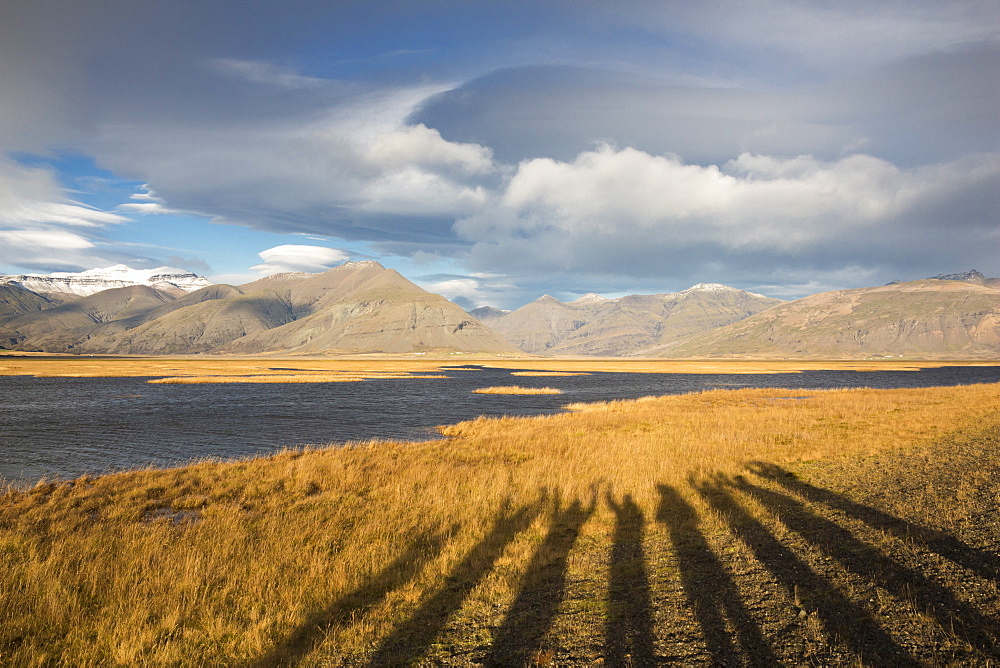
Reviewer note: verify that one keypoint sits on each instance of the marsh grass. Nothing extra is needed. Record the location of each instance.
(549, 373)
(516, 389)
(586, 534)
(217, 370)
(314, 377)
(202, 369)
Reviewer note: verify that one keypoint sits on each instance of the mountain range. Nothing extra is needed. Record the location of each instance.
(933, 317)
(63, 286)
(630, 325)
(356, 307)
(364, 307)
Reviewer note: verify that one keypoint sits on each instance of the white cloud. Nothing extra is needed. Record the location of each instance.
(625, 212)
(290, 257)
(40, 227)
(46, 241)
(148, 203)
(144, 208)
(260, 72)
(357, 160)
(457, 287)
(418, 145)
(31, 197)
(750, 202)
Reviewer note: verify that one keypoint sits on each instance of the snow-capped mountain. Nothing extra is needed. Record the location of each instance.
(92, 281)
(590, 298)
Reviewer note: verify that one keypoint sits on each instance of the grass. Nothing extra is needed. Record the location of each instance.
(549, 373)
(670, 530)
(209, 369)
(516, 389)
(218, 370)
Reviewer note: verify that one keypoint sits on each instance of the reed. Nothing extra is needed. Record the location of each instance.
(516, 389)
(386, 551)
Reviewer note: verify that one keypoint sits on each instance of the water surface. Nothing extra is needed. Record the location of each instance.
(64, 427)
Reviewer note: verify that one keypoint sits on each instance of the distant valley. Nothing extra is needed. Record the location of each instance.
(363, 307)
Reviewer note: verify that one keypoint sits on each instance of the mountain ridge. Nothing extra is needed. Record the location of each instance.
(92, 281)
(365, 307)
(356, 307)
(928, 317)
(629, 325)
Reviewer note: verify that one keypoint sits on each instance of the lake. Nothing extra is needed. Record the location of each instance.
(64, 427)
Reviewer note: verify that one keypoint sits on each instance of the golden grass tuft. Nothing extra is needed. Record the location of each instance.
(389, 553)
(516, 389)
(550, 373)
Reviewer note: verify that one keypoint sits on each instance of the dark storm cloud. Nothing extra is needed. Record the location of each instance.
(932, 107)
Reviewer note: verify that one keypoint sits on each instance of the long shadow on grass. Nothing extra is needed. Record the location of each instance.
(980, 562)
(542, 588)
(629, 635)
(411, 639)
(839, 615)
(865, 560)
(710, 591)
(311, 633)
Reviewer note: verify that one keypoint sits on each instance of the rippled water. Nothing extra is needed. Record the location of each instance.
(70, 426)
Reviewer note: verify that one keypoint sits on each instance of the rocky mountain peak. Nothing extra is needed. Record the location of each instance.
(971, 276)
(590, 298)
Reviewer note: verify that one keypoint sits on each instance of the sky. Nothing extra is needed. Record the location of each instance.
(496, 151)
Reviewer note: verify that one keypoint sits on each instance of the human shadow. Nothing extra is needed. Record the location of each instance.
(629, 635)
(982, 563)
(313, 630)
(836, 542)
(542, 589)
(811, 591)
(710, 590)
(412, 638)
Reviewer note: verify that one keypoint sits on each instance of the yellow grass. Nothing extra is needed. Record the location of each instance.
(642, 365)
(549, 373)
(388, 552)
(516, 389)
(202, 369)
(318, 377)
(218, 370)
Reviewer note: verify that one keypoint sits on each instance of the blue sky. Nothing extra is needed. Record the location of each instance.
(495, 151)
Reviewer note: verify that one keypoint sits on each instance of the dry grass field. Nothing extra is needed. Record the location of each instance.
(210, 369)
(517, 389)
(725, 527)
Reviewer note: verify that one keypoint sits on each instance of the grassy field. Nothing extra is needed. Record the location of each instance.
(210, 369)
(724, 527)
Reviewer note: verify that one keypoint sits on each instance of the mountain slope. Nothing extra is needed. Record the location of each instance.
(60, 328)
(16, 300)
(930, 317)
(631, 325)
(364, 307)
(357, 307)
(487, 314)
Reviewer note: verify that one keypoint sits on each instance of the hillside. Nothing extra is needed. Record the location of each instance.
(16, 300)
(631, 325)
(62, 327)
(357, 307)
(933, 317)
